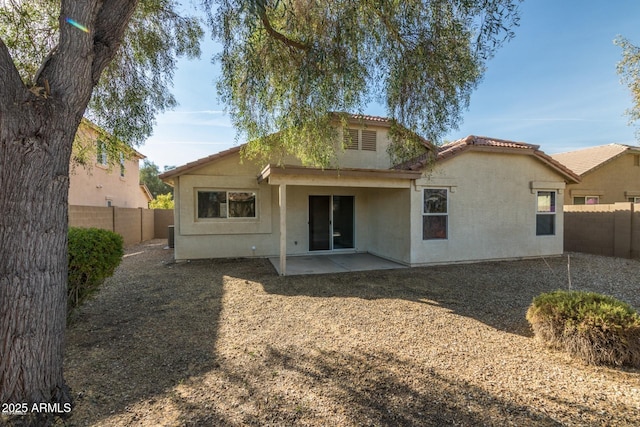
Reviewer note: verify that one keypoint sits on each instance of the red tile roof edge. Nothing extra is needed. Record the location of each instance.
(456, 147)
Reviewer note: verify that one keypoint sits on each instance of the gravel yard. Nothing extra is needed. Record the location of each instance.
(230, 343)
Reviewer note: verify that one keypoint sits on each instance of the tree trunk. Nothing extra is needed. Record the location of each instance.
(35, 147)
(37, 129)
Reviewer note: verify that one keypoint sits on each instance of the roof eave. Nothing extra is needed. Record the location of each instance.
(272, 170)
(197, 164)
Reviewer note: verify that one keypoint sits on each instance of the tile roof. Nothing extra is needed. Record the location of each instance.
(493, 144)
(587, 159)
(368, 118)
(453, 148)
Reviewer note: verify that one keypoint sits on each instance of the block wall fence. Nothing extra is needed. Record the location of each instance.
(135, 225)
(612, 230)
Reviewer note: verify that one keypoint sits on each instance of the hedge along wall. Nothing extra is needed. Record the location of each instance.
(135, 225)
(612, 230)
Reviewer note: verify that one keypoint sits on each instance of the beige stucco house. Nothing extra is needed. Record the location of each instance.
(471, 200)
(609, 174)
(99, 184)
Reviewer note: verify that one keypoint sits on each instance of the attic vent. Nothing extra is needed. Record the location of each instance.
(369, 140)
(351, 139)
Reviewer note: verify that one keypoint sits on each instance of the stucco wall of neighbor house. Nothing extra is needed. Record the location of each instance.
(96, 185)
(613, 182)
(491, 209)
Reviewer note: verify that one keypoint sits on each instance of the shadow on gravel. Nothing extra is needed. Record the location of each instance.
(155, 324)
(128, 344)
(495, 293)
(357, 389)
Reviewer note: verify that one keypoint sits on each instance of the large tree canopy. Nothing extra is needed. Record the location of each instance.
(286, 64)
(629, 71)
(149, 176)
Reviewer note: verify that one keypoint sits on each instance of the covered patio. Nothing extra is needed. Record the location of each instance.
(333, 263)
(291, 177)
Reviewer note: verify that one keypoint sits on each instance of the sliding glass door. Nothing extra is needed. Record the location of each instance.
(331, 222)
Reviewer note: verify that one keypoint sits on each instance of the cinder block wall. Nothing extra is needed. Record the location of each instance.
(163, 218)
(612, 230)
(128, 223)
(147, 224)
(635, 232)
(91, 216)
(135, 225)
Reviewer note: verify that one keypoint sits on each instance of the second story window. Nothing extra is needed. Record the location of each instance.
(586, 200)
(121, 165)
(101, 157)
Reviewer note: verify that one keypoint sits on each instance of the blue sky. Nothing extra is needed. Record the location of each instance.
(555, 84)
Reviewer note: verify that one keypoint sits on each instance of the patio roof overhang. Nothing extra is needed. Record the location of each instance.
(284, 176)
(346, 177)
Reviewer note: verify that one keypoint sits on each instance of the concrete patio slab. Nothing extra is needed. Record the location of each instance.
(333, 263)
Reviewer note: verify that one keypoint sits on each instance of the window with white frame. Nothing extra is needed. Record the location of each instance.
(586, 200)
(101, 153)
(634, 199)
(435, 214)
(226, 204)
(546, 213)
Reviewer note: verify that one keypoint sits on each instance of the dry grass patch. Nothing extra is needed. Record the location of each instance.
(230, 343)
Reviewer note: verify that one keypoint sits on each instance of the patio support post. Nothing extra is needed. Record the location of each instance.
(283, 228)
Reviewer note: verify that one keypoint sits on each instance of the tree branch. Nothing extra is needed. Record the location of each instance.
(10, 79)
(279, 36)
(110, 25)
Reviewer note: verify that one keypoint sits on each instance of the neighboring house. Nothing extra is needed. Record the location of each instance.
(99, 184)
(609, 173)
(481, 199)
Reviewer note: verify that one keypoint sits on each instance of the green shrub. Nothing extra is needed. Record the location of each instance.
(598, 329)
(94, 254)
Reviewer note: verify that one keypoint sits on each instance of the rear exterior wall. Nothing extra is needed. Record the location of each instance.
(491, 209)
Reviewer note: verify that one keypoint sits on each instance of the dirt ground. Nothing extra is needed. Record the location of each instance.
(230, 343)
